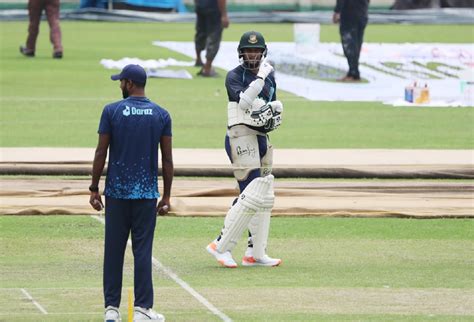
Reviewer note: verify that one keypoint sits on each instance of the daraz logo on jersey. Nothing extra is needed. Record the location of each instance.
(127, 111)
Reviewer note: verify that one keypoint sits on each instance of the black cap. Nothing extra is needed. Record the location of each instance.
(135, 73)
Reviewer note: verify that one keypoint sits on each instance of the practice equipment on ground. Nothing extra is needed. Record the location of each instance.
(240, 214)
(130, 304)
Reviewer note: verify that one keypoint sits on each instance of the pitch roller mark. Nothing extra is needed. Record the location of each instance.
(201, 299)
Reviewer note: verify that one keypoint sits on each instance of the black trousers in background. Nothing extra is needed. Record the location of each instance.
(352, 37)
(208, 32)
(122, 217)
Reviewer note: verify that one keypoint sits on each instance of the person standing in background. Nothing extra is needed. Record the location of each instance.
(35, 9)
(211, 19)
(352, 16)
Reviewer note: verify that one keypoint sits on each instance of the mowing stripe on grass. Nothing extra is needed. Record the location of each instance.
(95, 99)
(201, 299)
(33, 301)
(54, 99)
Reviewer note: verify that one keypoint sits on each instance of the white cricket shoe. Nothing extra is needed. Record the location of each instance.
(112, 314)
(225, 259)
(141, 314)
(249, 260)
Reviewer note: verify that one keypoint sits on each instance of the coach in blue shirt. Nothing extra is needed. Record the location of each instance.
(131, 130)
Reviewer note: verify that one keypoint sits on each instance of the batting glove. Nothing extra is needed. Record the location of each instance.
(265, 69)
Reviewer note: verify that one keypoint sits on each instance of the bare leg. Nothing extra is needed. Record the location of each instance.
(207, 68)
(198, 58)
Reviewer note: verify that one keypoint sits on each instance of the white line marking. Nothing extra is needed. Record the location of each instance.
(201, 299)
(190, 290)
(33, 301)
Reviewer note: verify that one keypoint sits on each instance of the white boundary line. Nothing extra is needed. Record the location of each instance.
(201, 299)
(33, 301)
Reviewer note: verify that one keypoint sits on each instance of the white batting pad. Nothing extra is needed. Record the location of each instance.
(240, 214)
(259, 224)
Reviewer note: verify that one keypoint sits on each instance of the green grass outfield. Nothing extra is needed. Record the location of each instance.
(57, 103)
(333, 270)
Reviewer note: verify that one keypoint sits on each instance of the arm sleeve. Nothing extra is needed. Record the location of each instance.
(240, 94)
(105, 126)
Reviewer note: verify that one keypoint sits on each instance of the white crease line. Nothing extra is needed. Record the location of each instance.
(33, 301)
(201, 299)
(190, 290)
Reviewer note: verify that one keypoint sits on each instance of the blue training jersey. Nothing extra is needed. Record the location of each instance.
(135, 126)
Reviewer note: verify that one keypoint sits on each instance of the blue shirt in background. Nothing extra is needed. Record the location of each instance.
(135, 126)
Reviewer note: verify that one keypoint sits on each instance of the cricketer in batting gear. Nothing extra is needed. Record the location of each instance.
(253, 111)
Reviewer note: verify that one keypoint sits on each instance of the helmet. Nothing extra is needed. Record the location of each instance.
(251, 39)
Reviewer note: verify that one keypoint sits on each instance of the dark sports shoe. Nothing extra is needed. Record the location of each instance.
(58, 55)
(26, 52)
(212, 73)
